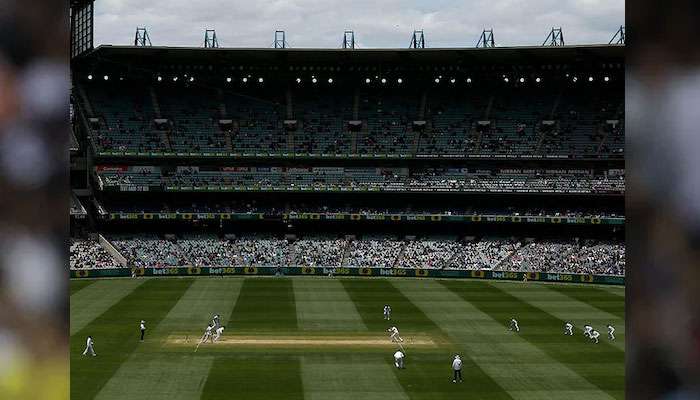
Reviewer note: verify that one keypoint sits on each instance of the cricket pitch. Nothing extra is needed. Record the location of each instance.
(305, 341)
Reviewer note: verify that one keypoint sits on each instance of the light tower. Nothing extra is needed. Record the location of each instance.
(418, 40)
(486, 39)
(619, 37)
(210, 40)
(81, 26)
(280, 41)
(349, 40)
(555, 38)
(142, 39)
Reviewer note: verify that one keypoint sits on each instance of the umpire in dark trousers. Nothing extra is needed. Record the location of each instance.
(457, 368)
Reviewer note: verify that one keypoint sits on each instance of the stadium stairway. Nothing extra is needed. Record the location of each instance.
(154, 102)
(504, 262)
(346, 252)
(399, 257)
(85, 100)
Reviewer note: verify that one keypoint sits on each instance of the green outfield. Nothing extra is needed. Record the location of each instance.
(324, 339)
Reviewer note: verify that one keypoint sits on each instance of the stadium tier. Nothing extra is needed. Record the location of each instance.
(442, 122)
(431, 252)
(150, 178)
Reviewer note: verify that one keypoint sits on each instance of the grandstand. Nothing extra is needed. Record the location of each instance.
(389, 158)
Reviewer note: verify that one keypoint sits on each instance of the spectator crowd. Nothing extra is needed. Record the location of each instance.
(436, 252)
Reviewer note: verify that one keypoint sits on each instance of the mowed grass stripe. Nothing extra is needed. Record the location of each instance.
(168, 376)
(158, 377)
(486, 341)
(116, 333)
(349, 377)
(76, 285)
(428, 375)
(196, 308)
(323, 305)
(249, 376)
(265, 305)
(596, 297)
(541, 338)
(555, 301)
(93, 300)
(613, 289)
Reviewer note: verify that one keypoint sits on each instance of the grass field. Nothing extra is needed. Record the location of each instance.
(324, 339)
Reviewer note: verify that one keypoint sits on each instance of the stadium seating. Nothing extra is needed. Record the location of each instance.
(89, 254)
(438, 252)
(377, 179)
(513, 118)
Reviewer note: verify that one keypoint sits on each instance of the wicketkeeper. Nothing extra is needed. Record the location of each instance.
(398, 359)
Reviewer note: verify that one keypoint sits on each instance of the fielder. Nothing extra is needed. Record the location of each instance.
(219, 332)
(514, 325)
(215, 322)
(143, 329)
(595, 335)
(611, 332)
(587, 330)
(89, 347)
(457, 369)
(387, 312)
(398, 359)
(569, 329)
(394, 334)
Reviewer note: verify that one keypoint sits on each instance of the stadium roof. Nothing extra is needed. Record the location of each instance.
(578, 55)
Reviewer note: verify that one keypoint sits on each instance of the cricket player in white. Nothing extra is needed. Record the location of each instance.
(587, 329)
(569, 329)
(219, 331)
(394, 333)
(89, 346)
(398, 359)
(387, 312)
(595, 335)
(215, 322)
(514, 325)
(143, 329)
(207, 335)
(457, 369)
(611, 332)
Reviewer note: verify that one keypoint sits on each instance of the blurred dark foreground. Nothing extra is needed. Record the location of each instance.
(34, 85)
(663, 199)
